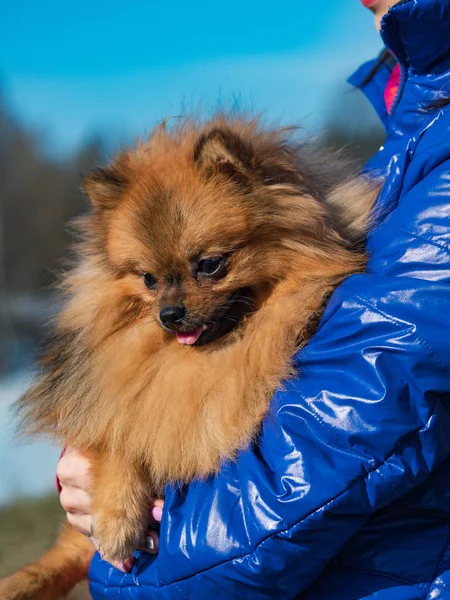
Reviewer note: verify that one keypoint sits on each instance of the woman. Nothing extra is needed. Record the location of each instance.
(348, 494)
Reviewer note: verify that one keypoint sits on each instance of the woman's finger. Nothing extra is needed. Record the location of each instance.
(82, 523)
(73, 469)
(75, 500)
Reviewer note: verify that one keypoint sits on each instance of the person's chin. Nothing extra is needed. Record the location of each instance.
(371, 4)
(378, 17)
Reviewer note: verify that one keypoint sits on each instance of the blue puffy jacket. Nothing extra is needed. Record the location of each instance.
(347, 495)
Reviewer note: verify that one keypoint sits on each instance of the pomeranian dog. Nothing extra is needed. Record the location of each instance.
(203, 266)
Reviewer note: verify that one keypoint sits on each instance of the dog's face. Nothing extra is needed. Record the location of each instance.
(191, 233)
(187, 249)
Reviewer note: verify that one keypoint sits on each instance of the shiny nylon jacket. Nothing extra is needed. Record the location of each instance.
(347, 494)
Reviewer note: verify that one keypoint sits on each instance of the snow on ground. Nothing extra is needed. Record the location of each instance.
(27, 467)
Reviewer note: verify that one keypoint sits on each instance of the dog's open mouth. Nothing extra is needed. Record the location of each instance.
(240, 304)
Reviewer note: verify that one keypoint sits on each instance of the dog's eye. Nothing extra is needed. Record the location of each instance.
(211, 266)
(149, 280)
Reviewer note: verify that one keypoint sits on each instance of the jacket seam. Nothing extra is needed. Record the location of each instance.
(391, 485)
(387, 575)
(284, 546)
(342, 444)
(382, 313)
(429, 147)
(431, 351)
(180, 591)
(442, 585)
(439, 245)
(441, 556)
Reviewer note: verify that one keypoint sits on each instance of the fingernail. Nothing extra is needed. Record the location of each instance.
(157, 513)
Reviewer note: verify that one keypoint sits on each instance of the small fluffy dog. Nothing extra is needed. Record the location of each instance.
(202, 268)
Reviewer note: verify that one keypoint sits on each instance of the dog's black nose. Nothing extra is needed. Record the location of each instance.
(172, 315)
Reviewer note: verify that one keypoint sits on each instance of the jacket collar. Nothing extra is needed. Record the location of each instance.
(374, 88)
(417, 34)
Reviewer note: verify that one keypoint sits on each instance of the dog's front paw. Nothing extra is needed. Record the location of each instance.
(117, 537)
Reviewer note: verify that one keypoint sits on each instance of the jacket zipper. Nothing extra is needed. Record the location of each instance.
(398, 95)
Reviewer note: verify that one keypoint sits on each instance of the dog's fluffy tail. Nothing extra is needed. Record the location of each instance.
(55, 574)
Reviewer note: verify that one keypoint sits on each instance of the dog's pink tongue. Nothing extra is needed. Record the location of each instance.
(189, 338)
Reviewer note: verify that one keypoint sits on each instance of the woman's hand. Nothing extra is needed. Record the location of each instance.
(73, 472)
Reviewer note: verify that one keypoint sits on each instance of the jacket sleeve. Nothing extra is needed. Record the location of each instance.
(364, 422)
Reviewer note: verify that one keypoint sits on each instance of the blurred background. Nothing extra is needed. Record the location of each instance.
(77, 79)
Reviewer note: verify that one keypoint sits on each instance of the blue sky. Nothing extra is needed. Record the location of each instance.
(73, 69)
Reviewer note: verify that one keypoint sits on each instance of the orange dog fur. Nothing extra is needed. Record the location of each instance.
(284, 223)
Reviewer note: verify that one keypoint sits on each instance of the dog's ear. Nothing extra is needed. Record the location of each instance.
(105, 185)
(223, 150)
